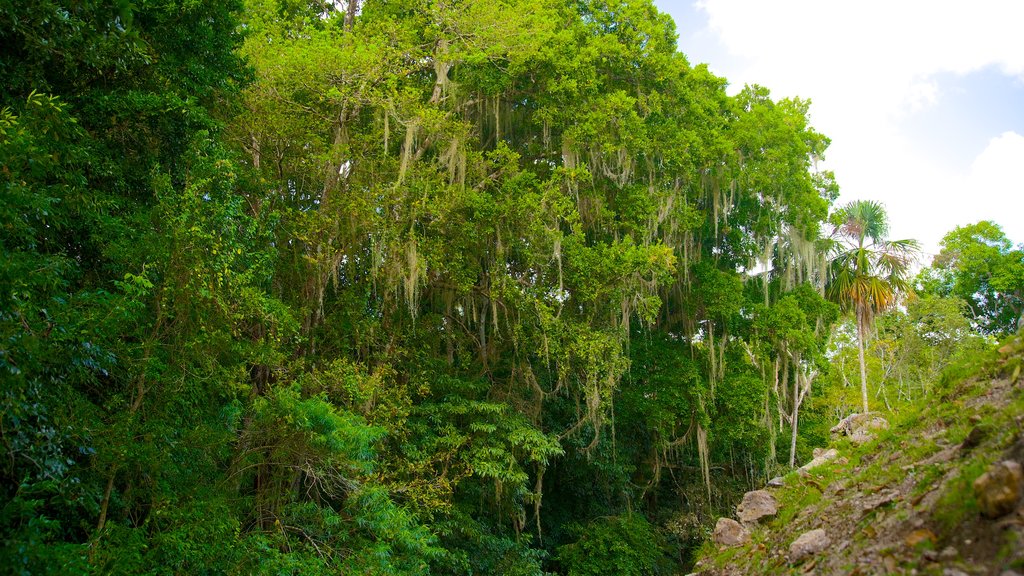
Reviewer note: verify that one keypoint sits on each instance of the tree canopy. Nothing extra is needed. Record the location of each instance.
(393, 287)
(980, 265)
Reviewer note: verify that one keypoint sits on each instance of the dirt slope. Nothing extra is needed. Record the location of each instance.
(905, 502)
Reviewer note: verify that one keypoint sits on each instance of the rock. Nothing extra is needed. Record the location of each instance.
(865, 431)
(944, 455)
(879, 499)
(757, 505)
(808, 544)
(837, 487)
(820, 457)
(998, 489)
(918, 536)
(861, 427)
(729, 532)
(843, 427)
(976, 436)
(776, 482)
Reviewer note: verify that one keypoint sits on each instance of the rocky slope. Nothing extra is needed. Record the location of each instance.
(938, 492)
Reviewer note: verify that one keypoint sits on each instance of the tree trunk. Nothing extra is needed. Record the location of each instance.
(793, 421)
(352, 6)
(106, 503)
(863, 368)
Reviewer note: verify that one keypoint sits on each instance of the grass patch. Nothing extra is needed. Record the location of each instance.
(957, 502)
(792, 502)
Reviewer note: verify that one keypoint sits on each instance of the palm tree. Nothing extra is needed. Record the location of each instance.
(868, 273)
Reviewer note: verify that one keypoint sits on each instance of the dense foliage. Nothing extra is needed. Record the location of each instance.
(393, 287)
(979, 265)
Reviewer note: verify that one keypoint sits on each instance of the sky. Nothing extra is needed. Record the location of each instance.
(923, 99)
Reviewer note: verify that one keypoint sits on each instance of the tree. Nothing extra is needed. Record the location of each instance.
(796, 329)
(979, 264)
(868, 272)
(293, 286)
(915, 345)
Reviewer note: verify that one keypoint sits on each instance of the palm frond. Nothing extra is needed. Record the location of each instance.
(868, 273)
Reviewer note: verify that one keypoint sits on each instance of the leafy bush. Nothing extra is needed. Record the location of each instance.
(625, 545)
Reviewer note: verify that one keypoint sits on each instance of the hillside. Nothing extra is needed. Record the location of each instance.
(906, 502)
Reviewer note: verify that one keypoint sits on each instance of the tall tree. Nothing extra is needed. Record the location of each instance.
(869, 273)
(314, 286)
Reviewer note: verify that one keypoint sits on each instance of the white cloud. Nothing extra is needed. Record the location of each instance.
(868, 65)
(1004, 159)
(869, 57)
(938, 201)
(922, 94)
(997, 182)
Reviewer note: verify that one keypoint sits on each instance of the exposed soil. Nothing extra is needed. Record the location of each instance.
(905, 502)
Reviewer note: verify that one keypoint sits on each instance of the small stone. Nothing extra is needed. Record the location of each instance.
(820, 457)
(940, 457)
(975, 437)
(859, 426)
(998, 489)
(918, 536)
(756, 505)
(948, 553)
(862, 435)
(837, 487)
(729, 532)
(808, 544)
(880, 499)
(776, 482)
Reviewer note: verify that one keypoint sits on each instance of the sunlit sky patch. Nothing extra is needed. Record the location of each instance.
(923, 99)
